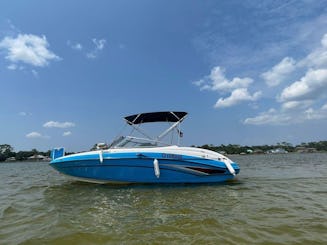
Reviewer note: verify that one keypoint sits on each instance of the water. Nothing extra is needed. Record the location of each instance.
(276, 199)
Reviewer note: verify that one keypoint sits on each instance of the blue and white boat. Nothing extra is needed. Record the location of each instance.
(131, 159)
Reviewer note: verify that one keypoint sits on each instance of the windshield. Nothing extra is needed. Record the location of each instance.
(134, 142)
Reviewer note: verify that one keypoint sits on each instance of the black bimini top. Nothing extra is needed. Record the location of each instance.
(163, 116)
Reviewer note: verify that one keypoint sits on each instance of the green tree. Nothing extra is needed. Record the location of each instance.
(6, 151)
(23, 155)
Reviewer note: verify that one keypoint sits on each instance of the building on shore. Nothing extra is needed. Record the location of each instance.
(277, 151)
(38, 158)
(11, 159)
(302, 149)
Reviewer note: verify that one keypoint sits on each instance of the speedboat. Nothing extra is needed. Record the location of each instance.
(131, 159)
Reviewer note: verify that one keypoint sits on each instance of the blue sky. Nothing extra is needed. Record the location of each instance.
(248, 72)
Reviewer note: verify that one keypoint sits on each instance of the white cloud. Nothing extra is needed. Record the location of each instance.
(199, 83)
(237, 88)
(24, 114)
(29, 49)
(12, 67)
(35, 73)
(54, 124)
(301, 100)
(34, 135)
(99, 45)
(279, 72)
(295, 105)
(75, 46)
(237, 96)
(318, 57)
(217, 81)
(67, 133)
(311, 86)
(283, 117)
(318, 114)
(91, 55)
(270, 117)
(324, 41)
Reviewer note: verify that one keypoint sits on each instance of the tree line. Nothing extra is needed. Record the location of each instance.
(7, 151)
(238, 149)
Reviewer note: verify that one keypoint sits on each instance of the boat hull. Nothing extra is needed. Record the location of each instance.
(122, 168)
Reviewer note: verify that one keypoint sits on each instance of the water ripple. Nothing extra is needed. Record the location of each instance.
(275, 200)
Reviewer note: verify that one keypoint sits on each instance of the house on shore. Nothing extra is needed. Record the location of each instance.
(302, 149)
(38, 158)
(277, 151)
(11, 159)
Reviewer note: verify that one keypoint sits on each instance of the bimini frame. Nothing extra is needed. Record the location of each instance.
(165, 116)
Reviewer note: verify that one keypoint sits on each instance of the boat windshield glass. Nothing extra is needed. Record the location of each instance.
(134, 142)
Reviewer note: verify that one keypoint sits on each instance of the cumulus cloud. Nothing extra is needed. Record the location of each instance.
(34, 135)
(54, 124)
(315, 114)
(279, 72)
(296, 105)
(304, 88)
(300, 100)
(75, 46)
(237, 96)
(217, 81)
(67, 133)
(318, 57)
(291, 116)
(311, 86)
(237, 88)
(311, 114)
(99, 45)
(29, 49)
(272, 117)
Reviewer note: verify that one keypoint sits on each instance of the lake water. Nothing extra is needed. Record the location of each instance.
(276, 199)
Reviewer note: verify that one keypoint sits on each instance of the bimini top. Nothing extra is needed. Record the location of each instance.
(163, 116)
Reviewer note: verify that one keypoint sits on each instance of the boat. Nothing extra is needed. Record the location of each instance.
(149, 160)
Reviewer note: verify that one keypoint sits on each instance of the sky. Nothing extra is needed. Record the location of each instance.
(247, 72)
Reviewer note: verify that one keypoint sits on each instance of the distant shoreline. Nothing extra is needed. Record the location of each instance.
(253, 154)
(7, 153)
